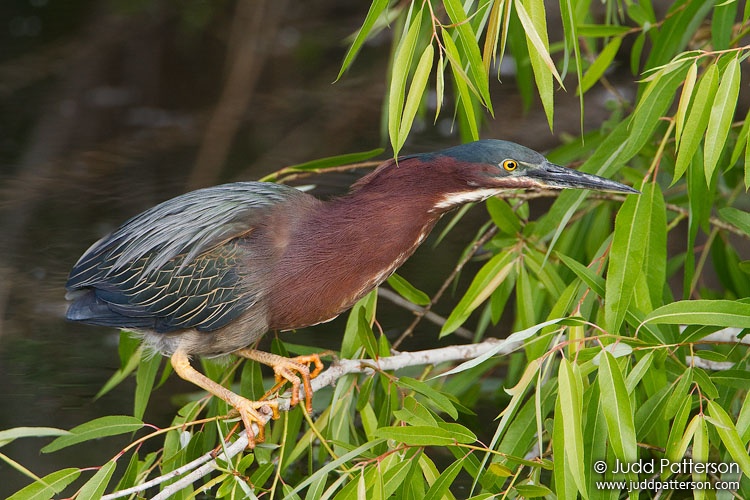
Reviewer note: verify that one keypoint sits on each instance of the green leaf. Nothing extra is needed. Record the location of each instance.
(9, 435)
(416, 92)
(571, 39)
(440, 487)
(739, 379)
(701, 445)
(697, 121)
(653, 105)
(94, 487)
(654, 267)
(144, 380)
(722, 22)
(569, 398)
(401, 67)
(461, 433)
(615, 403)
(730, 437)
(467, 41)
(738, 218)
(464, 86)
(685, 98)
(333, 465)
(679, 393)
(420, 435)
(438, 399)
(51, 485)
(627, 255)
(502, 344)
(408, 291)
(100, 427)
(503, 216)
(705, 383)
(600, 65)
(376, 9)
(720, 120)
(677, 429)
(439, 84)
(535, 27)
(484, 283)
(532, 490)
(702, 312)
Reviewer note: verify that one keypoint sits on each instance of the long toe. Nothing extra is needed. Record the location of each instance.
(250, 416)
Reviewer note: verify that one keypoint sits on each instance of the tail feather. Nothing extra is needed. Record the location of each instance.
(88, 308)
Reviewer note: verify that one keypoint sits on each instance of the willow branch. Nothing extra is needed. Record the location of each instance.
(207, 463)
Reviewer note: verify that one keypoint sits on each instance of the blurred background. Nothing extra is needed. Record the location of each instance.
(108, 108)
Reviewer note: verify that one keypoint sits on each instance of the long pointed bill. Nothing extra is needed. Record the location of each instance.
(554, 176)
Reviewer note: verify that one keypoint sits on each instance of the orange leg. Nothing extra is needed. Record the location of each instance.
(247, 409)
(284, 369)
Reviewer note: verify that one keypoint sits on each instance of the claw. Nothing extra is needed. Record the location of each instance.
(285, 368)
(301, 364)
(250, 415)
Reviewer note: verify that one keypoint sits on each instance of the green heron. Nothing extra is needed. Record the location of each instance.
(209, 272)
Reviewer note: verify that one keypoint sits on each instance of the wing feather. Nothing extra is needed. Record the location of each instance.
(178, 265)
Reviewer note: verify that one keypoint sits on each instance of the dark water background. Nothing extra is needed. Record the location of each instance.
(107, 108)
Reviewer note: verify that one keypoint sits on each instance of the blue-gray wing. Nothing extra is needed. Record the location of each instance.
(179, 264)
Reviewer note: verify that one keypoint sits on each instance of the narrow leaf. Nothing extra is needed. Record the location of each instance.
(720, 120)
(730, 437)
(736, 217)
(697, 121)
(419, 435)
(618, 413)
(626, 255)
(51, 485)
(467, 41)
(726, 313)
(144, 380)
(501, 345)
(94, 487)
(484, 283)
(600, 65)
(438, 399)
(441, 486)
(376, 9)
(464, 86)
(97, 428)
(408, 291)
(401, 67)
(685, 98)
(9, 435)
(536, 38)
(416, 92)
(570, 402)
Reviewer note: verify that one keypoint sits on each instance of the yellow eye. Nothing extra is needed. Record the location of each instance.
(510, 165)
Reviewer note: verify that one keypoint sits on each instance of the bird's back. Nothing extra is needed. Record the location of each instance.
(180, 265)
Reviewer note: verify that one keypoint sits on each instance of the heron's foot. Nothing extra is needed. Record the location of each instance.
(285, 369)
(250, 415)
(293, 370)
